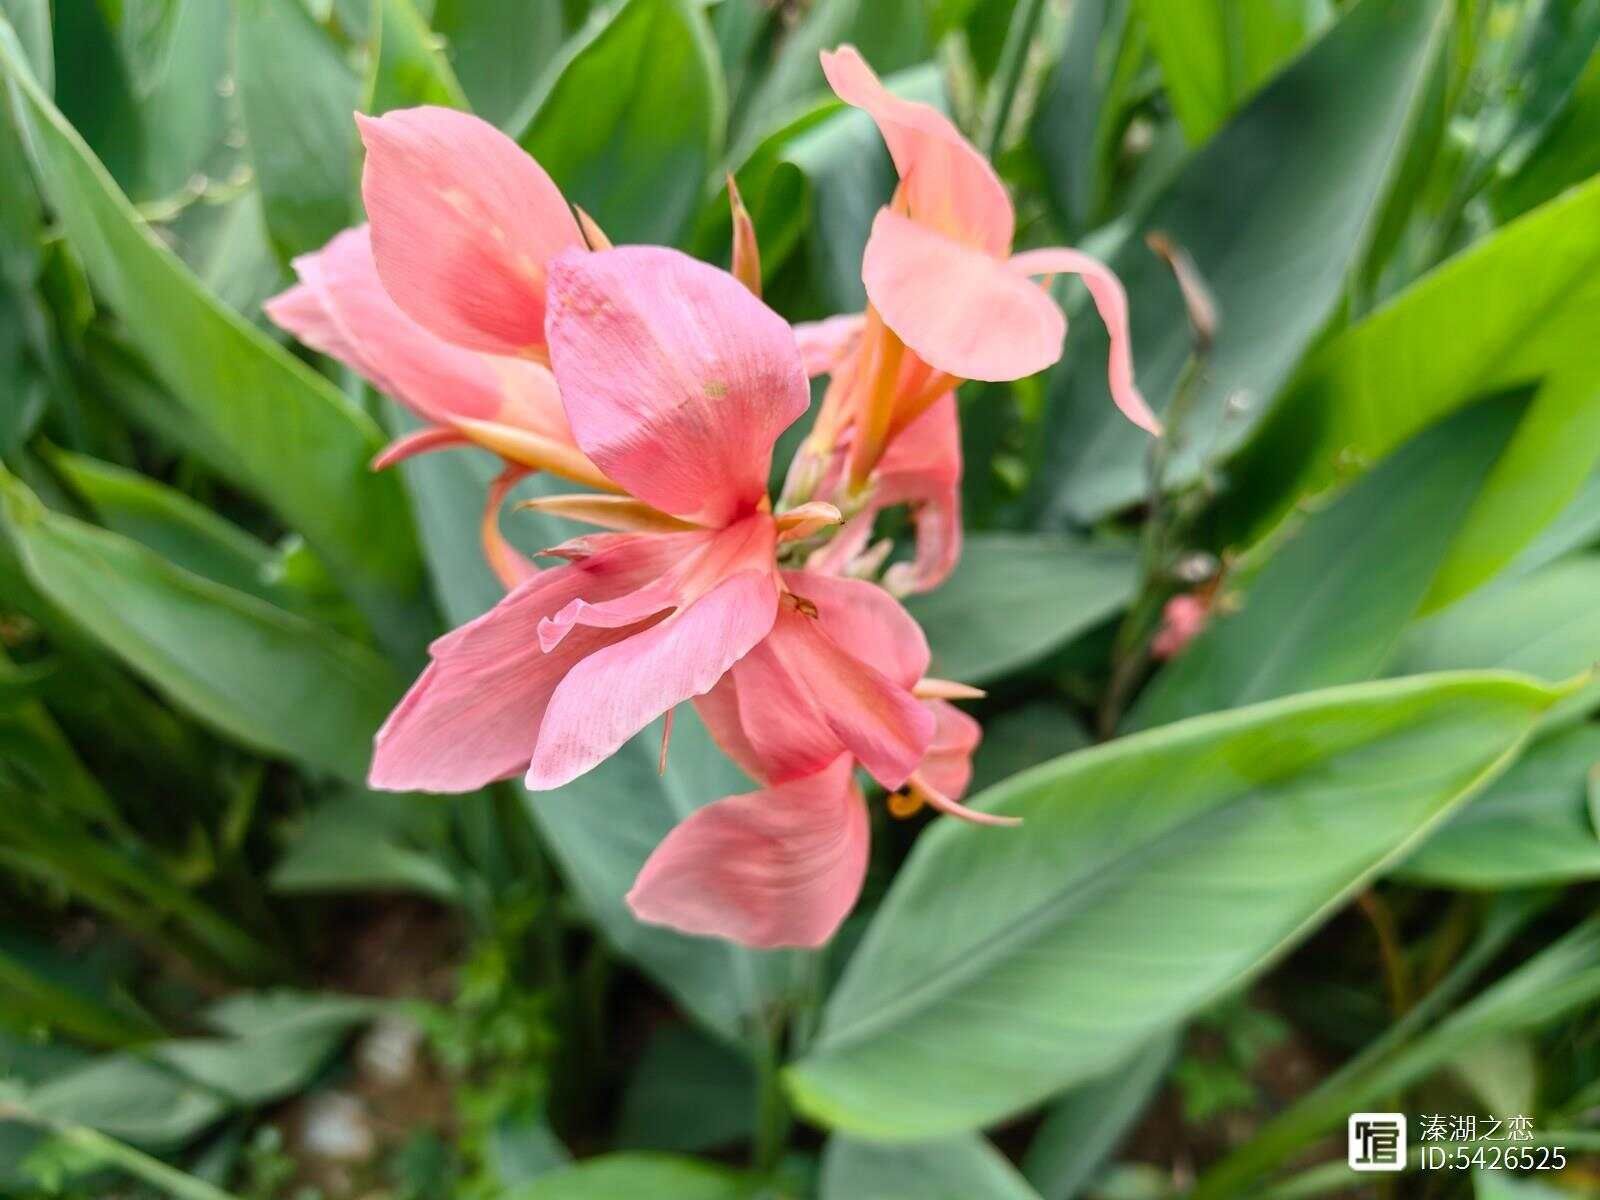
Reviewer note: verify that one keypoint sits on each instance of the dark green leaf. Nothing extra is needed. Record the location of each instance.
(688, 1093)
(500, 49)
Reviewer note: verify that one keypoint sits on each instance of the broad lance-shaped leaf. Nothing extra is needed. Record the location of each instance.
(632, 1176)
(632, 127)
(409, 67)
(1516, 309)
(1331, 596)
(303, 445)
(603, 826)
(1531, 827)
(500, 50)
(965, 1165)
(1015, 597)
(1275, 209)
(1152, 874)
(266, 677)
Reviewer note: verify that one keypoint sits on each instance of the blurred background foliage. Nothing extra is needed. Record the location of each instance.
(226, 969)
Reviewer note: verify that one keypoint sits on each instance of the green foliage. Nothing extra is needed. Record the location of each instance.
(1380, 484)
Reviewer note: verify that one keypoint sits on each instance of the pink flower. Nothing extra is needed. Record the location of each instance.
(1183, 619)
(938, 265)
(676, 382)
(838, 682)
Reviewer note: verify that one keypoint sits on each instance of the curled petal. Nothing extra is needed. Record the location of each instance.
(961, 310)
(922, 790)
(779, 867)
(615, 692)
(510, 567)
(676, 380)
(474, 714)
(949, 186)
(463, 225)
(418, 441)
(947, 766)
(1105, 289)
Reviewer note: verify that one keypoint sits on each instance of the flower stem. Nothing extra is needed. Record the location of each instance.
(772, 1109)
(113, 1153)
(1008, 74)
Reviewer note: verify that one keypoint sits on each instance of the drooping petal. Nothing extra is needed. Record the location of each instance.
(300, 310)
(948, 763)
(510, 566)
(719, 710)
(959, 309)
(779, 867)
(474, 714)
(463, 225)
(676, 380)
(615, 692)
(1111, 301)
(827, 343)
(949, 186)
(867, 623)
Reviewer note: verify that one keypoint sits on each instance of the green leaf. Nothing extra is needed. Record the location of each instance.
(31, 20)
(688, 1093)
(1546, 624)
(1275, 210)
(1531, 827)
(1083, 1128)
(603, 826)
(182, 531)
(1214, 53)
(44, 989)
(1015, 597)
(304, 446)
(1568, 152)
(1329, 603)
(632, 1176)
(297, 93)
(633, 124)
(1368, 390)
(500, 50)
(958, 1168)
(1024, 737)
(368, 841)
(409, 68)
(129, 1098)
(266, 677)
(1153, 874)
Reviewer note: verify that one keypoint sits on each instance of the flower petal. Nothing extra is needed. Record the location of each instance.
(867, 623)
(474, 714)
(463, 224)
(612, 694)
(299, 309)
(948, 763)
(827, 343)
(676, 379)
(959, 310)
(780, 867)
(1105, 289)
(949, 186)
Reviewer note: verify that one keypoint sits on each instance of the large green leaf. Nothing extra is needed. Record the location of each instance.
(128, 1098)
(1015, 597)
(1532, 826)
(1215, 53)
(266, 677)
(1511, 311)
(500, 49)
(304, 447)
(603, 826)
(1152, 874)
(409, 67)
(632, 1176)
(957, 1168)
(297, 94)
(1330, 601)
(688, 1093)
(633, 125)
(1275, 210)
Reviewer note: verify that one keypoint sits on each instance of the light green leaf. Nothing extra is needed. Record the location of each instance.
(633, 124)
(266, 677)
(1153, 874)
(31, 20)
(500, 50)
(297, 94)
(1568, 152)
(128, 1098)
(409, 68)
(1024, 737)
(1329, 603)
(303, 446)
(1015, 597)
(959, 1168)
(1215, 53)
(1368, 390)
(1531, 827)
(633, 1176)
(1083, 1128)
(1275, 210)
(603, 826)
(368, 841)
(1546, 624)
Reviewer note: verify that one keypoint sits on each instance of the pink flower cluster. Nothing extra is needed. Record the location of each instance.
(500, 315)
